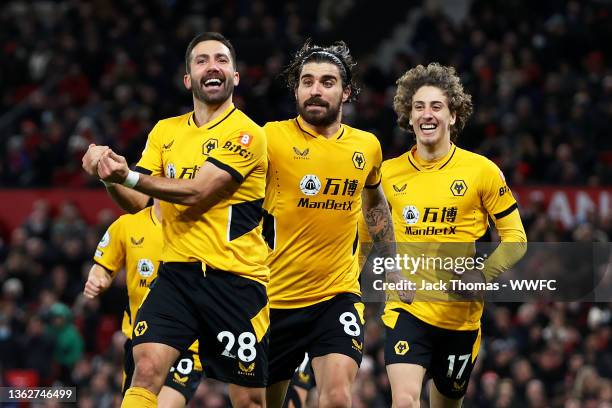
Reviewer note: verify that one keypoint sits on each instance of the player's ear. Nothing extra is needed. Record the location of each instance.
(236, 78)
(453, 118)
(187, 81)
(346, 93)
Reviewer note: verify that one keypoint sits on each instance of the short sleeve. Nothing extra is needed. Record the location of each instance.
(110, 252)
(375, 176)
(268, 130)
(241, 153)
(151, 160)
(496, 195)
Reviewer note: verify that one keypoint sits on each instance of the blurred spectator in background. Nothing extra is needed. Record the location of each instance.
(68, 342)
(36, 348)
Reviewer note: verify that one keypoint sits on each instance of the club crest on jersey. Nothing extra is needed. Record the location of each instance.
(209, 146)
(105, 240)
(411, 214)
(301, 154)
(170, 171)
(145, 268)
(310, 185)
(458, 188)
(359, 160)
(399, 189)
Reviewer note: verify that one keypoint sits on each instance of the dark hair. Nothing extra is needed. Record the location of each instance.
(442, 77)
(338, 54)
(208, 36)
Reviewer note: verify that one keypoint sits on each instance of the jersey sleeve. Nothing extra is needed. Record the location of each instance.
(268, 130)
(510, 250)
(110, 252)
(495, 194)
(375, 176)
(241, 153)
(151, 162)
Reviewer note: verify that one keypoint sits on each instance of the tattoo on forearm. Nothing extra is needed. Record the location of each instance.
(379, 224)
(377, 217)
(380, 227)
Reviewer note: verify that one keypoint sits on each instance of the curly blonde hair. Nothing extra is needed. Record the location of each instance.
(442, 77)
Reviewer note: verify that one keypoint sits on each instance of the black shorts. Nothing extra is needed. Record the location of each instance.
(229, 314)
(303, 378)
(184, 376)
(332, 326)
(447, 355)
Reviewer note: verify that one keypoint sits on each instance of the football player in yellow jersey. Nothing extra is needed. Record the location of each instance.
(321, 173)
(134, 242)
(440, 193)
(209, 168)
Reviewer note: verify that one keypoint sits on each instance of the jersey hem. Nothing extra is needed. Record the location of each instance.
(298, 305)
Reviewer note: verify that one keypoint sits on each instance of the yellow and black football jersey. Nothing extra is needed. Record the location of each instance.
(133, 241)
(227, 236)
(313, 204)
(447, 201)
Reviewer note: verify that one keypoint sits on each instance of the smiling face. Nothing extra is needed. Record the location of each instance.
(320, 94)
(430, 116)
(212, 76)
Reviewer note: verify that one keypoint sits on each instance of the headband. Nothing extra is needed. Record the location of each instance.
(334, 58)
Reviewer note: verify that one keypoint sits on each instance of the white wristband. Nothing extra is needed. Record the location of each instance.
(131, 179)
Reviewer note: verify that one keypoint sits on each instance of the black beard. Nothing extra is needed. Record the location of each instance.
(327, 118)
(217, 99)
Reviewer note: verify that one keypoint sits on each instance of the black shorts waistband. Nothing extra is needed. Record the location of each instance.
(189, 267)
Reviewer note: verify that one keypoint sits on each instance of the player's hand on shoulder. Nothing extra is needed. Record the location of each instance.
(97, 282)
(92, 157)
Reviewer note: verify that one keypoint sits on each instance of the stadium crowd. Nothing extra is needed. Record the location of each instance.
(98, 72)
